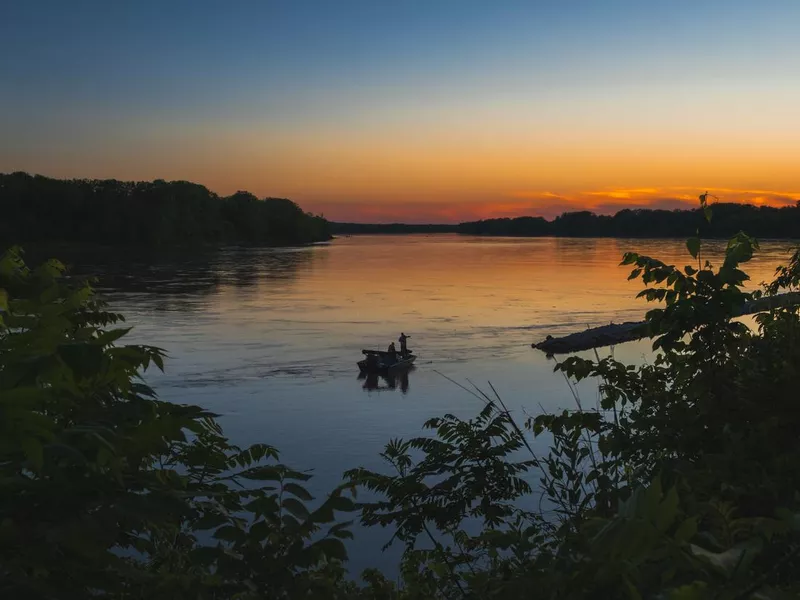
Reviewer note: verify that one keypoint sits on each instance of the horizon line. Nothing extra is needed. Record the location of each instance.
(642, 208)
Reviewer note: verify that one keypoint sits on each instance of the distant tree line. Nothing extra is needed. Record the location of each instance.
(38, 209)
(760, 221)
(367, 228)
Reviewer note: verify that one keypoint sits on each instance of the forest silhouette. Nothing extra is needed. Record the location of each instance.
(729, 219)
(159, 213)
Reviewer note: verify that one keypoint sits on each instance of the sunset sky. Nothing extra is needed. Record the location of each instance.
(406, 110)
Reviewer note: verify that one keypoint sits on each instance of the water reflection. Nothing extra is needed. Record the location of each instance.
(184, 280)
(268, 337)
(247, 267)
(373, 382)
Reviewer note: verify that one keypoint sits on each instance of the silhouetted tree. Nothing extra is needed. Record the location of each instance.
(761, 221)
(36, 208)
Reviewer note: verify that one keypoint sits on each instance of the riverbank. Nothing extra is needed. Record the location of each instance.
(764, 222)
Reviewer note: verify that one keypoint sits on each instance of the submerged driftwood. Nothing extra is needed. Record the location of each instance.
(610, 335)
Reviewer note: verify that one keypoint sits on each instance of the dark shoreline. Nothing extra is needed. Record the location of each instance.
(676, 238)
(727, 220)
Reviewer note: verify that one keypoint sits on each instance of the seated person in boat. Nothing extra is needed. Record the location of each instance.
(372, 361)
(392, 352)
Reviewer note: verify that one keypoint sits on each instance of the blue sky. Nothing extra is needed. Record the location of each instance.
(261, 94)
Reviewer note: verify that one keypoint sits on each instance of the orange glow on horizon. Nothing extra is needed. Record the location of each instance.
(545, 204)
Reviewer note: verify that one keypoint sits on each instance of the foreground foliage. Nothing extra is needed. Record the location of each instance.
(683, 482)
(105, 491)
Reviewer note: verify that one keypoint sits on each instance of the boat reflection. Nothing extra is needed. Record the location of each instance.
(374, 382)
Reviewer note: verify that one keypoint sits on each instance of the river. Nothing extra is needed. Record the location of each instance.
(269, 338)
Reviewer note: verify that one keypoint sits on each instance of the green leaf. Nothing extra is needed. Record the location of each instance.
(290, 522)
(65, 451)
(693, 245)
(341, 530)
(295, 507)
(205, 555)
(264, 473)
(667, 510)
(267, 505)
(259, 531)
(648, 507)
(686, 530)
(296, 475)
(634, 274)
(340, 503)
(33, 452)
(633, 593)
(230, 533)
(210, 521)
(705, 206)
(3, 299)
(298, 490)
(109, 337)
(629, 258)
(83, 359)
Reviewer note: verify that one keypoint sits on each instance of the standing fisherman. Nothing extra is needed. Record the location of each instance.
(403, 347)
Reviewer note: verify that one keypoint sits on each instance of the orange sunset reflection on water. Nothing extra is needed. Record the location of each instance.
(459, 283)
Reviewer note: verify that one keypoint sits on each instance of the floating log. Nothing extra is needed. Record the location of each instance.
(610, 335)
(596, 337)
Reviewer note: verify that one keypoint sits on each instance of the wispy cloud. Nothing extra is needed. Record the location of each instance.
(625, 194)
(534, 195)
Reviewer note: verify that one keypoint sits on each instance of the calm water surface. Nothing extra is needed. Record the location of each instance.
(269, 338)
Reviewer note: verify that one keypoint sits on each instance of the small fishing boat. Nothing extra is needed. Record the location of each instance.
(380, 361)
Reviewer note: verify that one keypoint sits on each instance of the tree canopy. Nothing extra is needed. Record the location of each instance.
(729, 219)
(761, 221)
(42, 209)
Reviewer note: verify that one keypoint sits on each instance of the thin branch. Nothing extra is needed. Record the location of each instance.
(463, 387)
